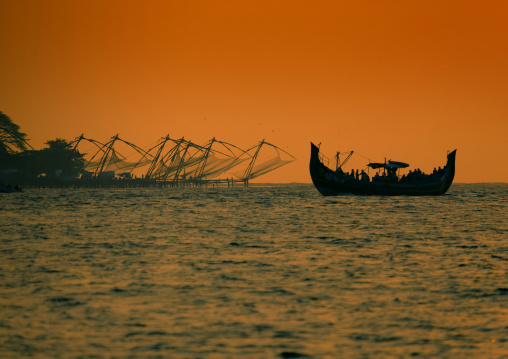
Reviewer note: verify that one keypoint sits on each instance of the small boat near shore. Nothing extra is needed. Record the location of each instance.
(9, 189)
(337, 182)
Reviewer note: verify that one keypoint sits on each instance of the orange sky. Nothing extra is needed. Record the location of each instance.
(406, 80)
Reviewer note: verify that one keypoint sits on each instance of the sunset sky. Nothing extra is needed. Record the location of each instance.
(405, 80)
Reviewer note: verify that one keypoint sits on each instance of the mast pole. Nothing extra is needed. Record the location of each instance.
(202, 164)
(248, 171)
(169, 160)
(105, 156)
(156, 158)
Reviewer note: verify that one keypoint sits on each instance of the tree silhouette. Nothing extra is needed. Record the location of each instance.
(12, 139)
(59, 159)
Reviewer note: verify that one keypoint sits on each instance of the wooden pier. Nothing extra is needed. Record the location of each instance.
(129, 183)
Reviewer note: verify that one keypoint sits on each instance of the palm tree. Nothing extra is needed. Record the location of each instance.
(11, 139)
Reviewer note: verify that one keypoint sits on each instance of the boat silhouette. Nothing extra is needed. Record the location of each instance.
(336, 182)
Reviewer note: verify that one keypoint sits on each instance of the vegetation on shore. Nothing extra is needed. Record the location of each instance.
(172, 162)
(20, 162)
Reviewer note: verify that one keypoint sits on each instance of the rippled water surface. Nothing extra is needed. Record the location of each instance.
(260, 272)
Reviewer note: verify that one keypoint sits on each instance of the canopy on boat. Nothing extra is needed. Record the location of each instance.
(391, 164)
(396, 164)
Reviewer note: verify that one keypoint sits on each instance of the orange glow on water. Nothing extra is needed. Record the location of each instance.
(402, 80)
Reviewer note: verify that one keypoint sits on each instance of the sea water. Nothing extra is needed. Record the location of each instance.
(268, 271)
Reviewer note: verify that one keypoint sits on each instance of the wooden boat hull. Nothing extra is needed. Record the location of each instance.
(9, 189)
(332, 183)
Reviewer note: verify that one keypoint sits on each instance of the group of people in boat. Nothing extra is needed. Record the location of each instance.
(419, 176)
(390, 176)
(361, 176)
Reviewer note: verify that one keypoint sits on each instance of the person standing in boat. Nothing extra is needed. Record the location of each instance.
(364, 177)
(392, 176)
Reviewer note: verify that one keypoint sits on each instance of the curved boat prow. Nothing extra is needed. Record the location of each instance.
(451, 160)
(449, 170)
(314, 150)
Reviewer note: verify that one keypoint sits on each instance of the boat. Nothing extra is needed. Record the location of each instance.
(9, 189)
(337, 182)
